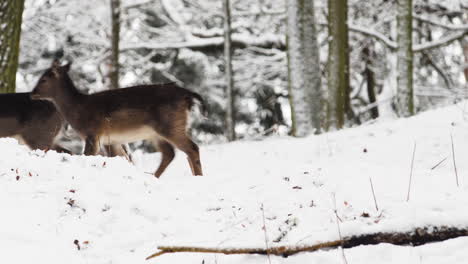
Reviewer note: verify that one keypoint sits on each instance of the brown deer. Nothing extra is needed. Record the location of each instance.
(37, 124)
(34, 123)
(125, 115)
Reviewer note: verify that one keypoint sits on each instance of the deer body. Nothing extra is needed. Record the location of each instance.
(33, 123)
(125, 115)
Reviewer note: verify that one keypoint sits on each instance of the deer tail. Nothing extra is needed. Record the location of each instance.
(197, 99)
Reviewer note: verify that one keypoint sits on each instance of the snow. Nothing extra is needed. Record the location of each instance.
(119, 213)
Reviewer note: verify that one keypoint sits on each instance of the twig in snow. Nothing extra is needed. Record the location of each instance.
(411, 172)
(339, 230)
(291, 223)
(438, 163)
(265, 233)
(454, 162)
(373, 194)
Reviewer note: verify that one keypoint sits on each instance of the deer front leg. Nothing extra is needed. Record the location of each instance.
(167, 154)
(193, 154)
(91, 146)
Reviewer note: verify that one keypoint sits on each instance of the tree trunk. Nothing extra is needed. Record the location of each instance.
(465, 52)
(230, 114)
(10, 28)
(305, 94)
(404, 100)
(370, 80)
(338, 63)
(115, 38)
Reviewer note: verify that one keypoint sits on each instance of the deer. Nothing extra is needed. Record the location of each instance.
(159, 112)
(38, 124)
(33, 123)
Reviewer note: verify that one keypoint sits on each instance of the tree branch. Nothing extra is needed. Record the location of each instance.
(448, 82)
(238, 41)
(442, 25)
(136, 4)
(375, 34)
(416, 237)
(439, 42)
(276, 41)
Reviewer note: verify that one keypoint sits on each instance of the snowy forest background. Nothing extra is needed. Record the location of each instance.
(266, 68)
(297, 66)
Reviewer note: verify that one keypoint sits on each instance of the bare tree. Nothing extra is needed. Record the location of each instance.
(305, 94)
(10, 21)
(338, 63)
(404, 100)
(115, 38)
(230, 115)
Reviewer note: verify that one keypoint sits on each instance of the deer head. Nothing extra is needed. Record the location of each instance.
(51, 82)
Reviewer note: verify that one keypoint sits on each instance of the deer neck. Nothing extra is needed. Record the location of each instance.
(69, 101)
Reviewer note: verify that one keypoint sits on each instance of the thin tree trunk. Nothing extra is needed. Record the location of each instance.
(338, 63)
(370, 81)
(305, 94)
(387, 96)
(405, 101)
(11, 12)
(230, 111)
(115, 38)
(465, 52)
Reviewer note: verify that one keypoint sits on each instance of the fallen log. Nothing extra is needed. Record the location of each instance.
(416, 237)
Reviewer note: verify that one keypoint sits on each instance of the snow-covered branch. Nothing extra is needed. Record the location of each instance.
(440, 42)
(416, 48)
(135, 4)
(262, 11)
(238, 41)
(442, 25)
(375, 34)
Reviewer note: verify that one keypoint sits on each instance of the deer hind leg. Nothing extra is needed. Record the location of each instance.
(185, 144)
(168, 154)
(91, 146)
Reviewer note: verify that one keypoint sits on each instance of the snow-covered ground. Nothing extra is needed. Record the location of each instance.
(119, 213)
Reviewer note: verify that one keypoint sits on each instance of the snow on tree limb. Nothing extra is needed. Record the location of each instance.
(375, 34)
(416, 48)
(442, 25)
(439, 42)
(136, 4)
(238, 41)
(276, 41)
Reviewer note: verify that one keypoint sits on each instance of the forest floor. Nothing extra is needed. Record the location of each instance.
(57, 208)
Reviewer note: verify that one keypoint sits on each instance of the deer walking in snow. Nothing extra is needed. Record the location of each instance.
(158, 111)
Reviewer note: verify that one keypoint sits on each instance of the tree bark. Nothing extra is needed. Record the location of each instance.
(338, 63)
(230, 114)
(115, 38)
(404, 99)
(370, 80)
(11, 13)
(305, 94)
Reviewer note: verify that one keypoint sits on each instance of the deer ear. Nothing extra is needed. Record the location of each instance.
(67, 67)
